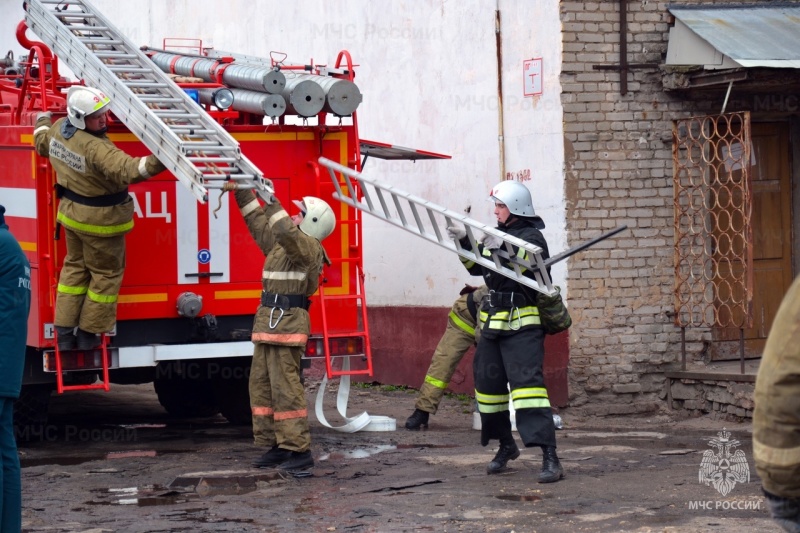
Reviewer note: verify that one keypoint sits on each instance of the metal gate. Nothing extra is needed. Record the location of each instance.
(713, 230)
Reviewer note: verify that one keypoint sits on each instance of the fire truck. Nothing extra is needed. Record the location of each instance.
(218, 121)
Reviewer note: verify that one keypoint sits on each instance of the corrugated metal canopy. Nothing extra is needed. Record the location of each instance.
(760, 35)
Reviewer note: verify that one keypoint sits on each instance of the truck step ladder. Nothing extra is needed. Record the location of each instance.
(430, 221)
(193, 146)
(104, 384)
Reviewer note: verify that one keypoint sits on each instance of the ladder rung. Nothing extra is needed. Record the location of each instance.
(146, 84)
(157, 99)
(96, 41)
(73, 15)
(231, 176)
(115, 55)
(123, 69)
(75, 27)
(191, 130)
(170, 113)
(213, 159)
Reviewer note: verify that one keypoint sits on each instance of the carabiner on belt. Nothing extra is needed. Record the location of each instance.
(272, 314)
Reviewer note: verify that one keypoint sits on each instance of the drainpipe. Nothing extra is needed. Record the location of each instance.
(500, 127)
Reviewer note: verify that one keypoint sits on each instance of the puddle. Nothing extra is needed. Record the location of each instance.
(132, 496)
(358, 453)
(518, 498)
(73, 460)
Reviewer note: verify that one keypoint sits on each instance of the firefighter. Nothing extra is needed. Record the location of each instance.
(510, 353)
(294, 261)
(95, 211)
(458, 336)
(776, 419)
(15, 301)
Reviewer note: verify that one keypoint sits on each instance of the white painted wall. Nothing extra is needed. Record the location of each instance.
(428, 72)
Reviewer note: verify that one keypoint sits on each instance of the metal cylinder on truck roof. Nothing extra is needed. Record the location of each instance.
(342, 97)
(239, 76)
(259, 103)
(303, 96)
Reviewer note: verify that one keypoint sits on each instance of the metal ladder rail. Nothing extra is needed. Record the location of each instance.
(504, 260)
(178, 131)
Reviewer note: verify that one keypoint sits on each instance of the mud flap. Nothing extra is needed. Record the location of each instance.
(362, 422)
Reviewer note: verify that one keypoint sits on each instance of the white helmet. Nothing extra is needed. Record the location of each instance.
(318, 218)
(517, 198)
(84, 101)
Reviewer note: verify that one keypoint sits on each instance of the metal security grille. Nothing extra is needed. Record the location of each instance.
(713, 231)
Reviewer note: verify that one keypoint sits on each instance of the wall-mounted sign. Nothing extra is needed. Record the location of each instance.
(532, 76)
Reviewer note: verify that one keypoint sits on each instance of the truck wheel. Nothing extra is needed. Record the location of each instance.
(30, 411)
(231, 389)
(184, 389)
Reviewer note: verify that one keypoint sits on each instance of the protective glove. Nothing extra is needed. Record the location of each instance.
(456, 232)
(46, 114)
(268, 197)
(491, 242)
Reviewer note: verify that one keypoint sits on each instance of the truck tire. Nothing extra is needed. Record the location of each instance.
(30, 412)
(231, 387)
(184, 390)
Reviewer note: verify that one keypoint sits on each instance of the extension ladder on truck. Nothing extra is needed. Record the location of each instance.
(193, 146)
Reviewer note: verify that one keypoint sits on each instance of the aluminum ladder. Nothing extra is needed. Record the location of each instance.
(193, 146)
(430, 221)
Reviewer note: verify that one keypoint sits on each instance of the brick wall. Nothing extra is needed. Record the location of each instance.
(618, 171)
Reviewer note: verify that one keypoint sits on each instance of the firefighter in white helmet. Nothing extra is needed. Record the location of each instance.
(294, 261)
(510, 352)
(95, 211)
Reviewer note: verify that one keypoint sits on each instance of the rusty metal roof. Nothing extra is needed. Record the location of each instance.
(756, 35)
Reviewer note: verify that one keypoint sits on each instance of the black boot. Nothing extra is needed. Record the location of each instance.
(417, 420)
(66, 338)
(298, 461)
(551, 467)
(87, 341)
(508, 452)
(273, 457)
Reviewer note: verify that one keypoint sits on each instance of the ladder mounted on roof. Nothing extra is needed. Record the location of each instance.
(193, 146)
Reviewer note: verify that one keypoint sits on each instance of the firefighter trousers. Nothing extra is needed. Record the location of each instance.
(458, 336)
(90, 281)
(277, 398)
(513, 361)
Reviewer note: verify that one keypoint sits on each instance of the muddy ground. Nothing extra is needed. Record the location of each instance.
(115, 461)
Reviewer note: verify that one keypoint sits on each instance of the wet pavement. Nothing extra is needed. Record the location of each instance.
(109, 462)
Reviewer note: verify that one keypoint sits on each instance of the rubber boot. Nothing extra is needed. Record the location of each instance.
(508, 452)
(551, 467)
(417, 420)
(66, 338)
(298, 461)
(273, 457)
(87, 341)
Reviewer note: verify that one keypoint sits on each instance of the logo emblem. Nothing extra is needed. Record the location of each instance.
(724, 468)
(204, 256)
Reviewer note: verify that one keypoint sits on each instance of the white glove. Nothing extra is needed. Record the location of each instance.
(491, 242)
(456, 232)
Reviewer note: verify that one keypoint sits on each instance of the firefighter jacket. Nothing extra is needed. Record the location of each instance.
(292, 267)
(15, 301)
(507, 314)
(776, 419)
(96, 175)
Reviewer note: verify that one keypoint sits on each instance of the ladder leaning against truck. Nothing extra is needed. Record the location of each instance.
(218, 121)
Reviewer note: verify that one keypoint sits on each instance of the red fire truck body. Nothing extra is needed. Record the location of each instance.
(193, 277)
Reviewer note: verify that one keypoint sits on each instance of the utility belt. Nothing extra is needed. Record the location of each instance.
(285, 301)
(507, 300)
(106, 200)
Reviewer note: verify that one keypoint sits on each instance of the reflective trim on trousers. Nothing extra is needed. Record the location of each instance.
(438, 383)
(781, 457)
(94, 229)
(66, 289)
(461, 324)
(288, 415)
(491, 403)
(280, 338)
(102, 298)
(262, 411)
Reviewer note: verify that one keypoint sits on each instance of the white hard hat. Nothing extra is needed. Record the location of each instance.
(84, 101)
(517, 198)
(318, 218)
